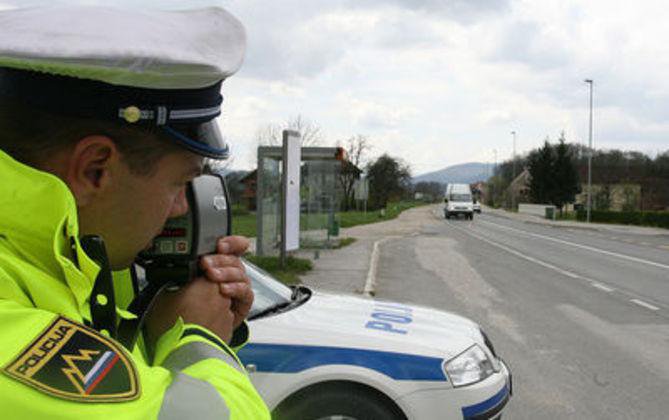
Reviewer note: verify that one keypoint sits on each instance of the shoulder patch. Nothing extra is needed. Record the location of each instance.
(71, 361)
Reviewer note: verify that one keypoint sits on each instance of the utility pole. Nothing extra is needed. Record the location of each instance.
(589, 205)
(494, 174)
(513, 178)
(494, 168)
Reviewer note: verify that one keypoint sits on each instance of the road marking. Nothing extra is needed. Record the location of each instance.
(589, 248)
(645, 304)
(370, 283)
(592, 282)
(602, 287)
(521, 255)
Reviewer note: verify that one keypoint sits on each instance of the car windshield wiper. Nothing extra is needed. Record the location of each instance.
(300, 295)
(272, 309)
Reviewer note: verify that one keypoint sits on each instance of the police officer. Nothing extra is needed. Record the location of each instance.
(105, 115)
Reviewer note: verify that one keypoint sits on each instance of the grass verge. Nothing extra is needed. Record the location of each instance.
(289, 274)
(345, 242)
(245, 224)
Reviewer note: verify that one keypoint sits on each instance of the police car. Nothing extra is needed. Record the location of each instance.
(315, 355)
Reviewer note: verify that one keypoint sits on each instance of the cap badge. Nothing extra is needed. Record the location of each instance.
(132, 114)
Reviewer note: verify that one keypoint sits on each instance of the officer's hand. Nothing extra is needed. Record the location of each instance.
(226, 269)
(198, 302)
(232, 245)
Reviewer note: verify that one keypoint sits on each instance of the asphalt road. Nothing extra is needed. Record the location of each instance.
(582, 317)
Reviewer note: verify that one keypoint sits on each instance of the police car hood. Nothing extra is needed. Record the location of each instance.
(347, 321)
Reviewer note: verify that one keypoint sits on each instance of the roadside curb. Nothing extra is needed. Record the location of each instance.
(370, 283)
(557, 226)
(630, 229)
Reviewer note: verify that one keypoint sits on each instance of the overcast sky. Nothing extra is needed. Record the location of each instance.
(441, 82)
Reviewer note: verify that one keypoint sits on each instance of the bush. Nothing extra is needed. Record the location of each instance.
(289, 274)
(638, 218)
(239, 210)
(391, 211)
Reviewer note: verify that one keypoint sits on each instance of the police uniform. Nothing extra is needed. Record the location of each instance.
(134, 67)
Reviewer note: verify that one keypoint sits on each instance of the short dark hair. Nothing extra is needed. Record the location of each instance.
(31, 135)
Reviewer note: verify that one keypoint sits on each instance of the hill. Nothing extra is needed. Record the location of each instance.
(465, 173)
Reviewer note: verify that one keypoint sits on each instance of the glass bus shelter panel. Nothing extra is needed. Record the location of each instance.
(319, 202)
(269, 207)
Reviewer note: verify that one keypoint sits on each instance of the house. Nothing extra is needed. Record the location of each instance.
(250, 182)
(616, 197)
(519, 188)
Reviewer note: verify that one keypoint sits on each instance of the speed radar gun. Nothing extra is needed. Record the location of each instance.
(173, 258)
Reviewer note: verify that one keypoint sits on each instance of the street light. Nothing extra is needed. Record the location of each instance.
(513, 177)
(589, 205)
(494, 168)
(513, 133)
(494, 173)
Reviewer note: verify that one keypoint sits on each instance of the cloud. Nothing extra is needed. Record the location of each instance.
(302, 45)
(496, 117)
(375, 115)
(444, 81)
(463, 11)
(525, 42)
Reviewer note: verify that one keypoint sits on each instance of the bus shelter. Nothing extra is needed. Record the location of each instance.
(319, 168)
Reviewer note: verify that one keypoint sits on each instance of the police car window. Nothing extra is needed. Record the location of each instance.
(268, 291)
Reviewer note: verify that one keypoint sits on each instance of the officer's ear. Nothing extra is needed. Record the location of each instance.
(90, 167)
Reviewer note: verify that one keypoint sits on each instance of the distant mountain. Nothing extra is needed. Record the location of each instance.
(465, 173)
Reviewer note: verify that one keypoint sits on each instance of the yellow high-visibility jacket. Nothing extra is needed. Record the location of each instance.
(54, 366)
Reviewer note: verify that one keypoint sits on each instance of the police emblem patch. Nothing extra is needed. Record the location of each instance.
(71, 361)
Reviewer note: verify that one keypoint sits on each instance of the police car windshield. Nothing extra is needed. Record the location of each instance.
(268, 291)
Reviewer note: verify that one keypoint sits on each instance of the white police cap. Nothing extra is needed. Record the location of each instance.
(141, 67)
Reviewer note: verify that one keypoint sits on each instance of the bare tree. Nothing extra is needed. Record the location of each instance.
(221, 166)
(356, 148)
(270, 134)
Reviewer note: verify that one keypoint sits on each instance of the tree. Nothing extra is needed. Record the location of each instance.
(566, 182)
(271, 134)
(356, 148)
(432, 190)
(235, 187)
(389, 178)
(542, 181)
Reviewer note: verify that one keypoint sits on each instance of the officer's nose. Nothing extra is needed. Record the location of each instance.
(180, 205)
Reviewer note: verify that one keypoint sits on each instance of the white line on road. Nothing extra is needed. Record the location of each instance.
(600, 286)
(645, 304)
(370, 284)
(577, 245)
(592, 282)
(521, 255)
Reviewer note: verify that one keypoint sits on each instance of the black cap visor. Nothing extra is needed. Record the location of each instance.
(209, 141)
(168, 109)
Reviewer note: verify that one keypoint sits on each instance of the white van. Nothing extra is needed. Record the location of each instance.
(458, 200)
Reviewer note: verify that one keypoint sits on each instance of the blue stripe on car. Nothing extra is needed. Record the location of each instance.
(282, 358)
(482, 407)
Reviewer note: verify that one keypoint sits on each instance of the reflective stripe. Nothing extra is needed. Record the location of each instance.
(188, 397)
(161, 116)
(193, 352)
(194, 113)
